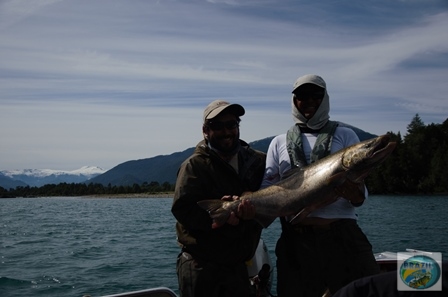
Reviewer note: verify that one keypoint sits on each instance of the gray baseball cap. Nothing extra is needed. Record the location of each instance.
(218, 106)
(309, 79)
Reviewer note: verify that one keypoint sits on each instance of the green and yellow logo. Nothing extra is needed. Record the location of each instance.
(420, 272)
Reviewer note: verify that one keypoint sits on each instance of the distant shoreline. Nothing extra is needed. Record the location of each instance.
(139, 195)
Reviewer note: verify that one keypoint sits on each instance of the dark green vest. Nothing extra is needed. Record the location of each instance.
(321, 148)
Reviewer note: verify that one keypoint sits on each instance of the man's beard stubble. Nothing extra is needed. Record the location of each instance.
(228, 151)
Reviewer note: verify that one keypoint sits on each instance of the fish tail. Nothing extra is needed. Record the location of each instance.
(216, 211)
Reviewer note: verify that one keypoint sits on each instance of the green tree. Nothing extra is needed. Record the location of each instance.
(415, 125)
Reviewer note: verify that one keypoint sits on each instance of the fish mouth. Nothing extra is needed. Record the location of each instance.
(382, 148)
(370, 153)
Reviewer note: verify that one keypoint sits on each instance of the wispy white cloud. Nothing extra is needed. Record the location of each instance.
(118, 80)
(13, 11)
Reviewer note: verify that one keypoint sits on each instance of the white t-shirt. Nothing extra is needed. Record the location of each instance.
(278, 162)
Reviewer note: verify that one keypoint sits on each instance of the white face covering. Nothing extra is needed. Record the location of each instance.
(322, 115)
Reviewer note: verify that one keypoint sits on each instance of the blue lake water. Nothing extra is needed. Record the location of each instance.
(90, 246)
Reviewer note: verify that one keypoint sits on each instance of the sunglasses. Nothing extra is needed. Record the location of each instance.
(217, 126)
(319, 95)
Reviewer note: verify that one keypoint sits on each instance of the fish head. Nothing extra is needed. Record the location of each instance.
(359, 159)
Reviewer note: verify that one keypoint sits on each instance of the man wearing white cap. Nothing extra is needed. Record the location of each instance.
(327, 249)
(212, 259)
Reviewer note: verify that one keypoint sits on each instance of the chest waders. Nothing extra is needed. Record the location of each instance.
(321, 149)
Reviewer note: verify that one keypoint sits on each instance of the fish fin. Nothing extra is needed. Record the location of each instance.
(214, 207)
(307, 210)
(264, 220)
(338, 178)
(301, 215)
(351, 191)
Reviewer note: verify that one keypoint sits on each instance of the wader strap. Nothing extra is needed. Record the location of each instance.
(322, 147)
(295, 148)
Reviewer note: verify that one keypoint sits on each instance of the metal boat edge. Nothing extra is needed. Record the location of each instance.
(154, 292)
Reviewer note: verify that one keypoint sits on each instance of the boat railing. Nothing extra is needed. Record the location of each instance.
(154, 292)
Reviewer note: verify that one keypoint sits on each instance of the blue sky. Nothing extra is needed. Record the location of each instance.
(102, 82)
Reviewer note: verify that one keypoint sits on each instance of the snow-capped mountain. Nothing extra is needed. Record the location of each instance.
(40, 177)
(85, 170)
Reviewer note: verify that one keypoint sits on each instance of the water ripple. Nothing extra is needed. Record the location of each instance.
(79, 246)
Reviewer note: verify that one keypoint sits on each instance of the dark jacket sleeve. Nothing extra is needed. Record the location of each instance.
(188, 191)
(204, 176)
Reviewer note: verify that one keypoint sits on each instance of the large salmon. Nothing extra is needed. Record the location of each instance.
(311, 187)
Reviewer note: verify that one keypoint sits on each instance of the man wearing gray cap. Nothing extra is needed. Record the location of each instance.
(212, 259)
(327, 249)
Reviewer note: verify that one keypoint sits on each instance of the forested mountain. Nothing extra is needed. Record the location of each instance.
(164, 168)
(159, 169)
(418, 165)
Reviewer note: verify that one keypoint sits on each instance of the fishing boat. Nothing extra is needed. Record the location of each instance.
(154, 292)
(388, 260)
(410, 273)
(260, 270)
